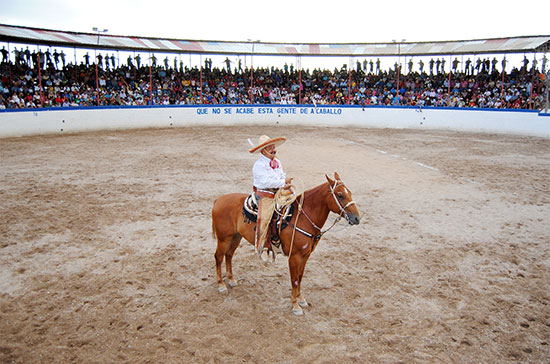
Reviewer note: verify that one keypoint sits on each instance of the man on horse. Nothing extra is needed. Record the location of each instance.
(269, 176)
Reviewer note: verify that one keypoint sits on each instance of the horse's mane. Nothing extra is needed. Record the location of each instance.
(313, 190)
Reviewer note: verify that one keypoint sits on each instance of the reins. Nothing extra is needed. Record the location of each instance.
(322, 232)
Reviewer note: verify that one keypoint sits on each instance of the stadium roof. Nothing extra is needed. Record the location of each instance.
(26, 35)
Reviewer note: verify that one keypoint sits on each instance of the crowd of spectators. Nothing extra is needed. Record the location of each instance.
(66, 85)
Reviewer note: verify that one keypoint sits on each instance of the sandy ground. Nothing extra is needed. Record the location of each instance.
(106, 251)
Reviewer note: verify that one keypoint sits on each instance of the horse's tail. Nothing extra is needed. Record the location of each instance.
(213, 231)
(213, 227)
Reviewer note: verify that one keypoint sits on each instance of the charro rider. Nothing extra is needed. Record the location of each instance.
(268, 178)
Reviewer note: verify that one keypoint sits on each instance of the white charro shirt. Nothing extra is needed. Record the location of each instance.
(267, 177)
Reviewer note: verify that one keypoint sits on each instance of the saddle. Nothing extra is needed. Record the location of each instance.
(279, 221)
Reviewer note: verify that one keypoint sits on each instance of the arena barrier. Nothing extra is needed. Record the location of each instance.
(23, 122)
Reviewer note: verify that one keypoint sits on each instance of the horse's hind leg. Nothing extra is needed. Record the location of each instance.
(220, 253)
(235, 240)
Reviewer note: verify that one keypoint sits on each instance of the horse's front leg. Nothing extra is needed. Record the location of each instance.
(295, 266)
(300, 299)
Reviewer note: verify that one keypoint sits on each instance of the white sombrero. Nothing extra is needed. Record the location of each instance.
(264, 141)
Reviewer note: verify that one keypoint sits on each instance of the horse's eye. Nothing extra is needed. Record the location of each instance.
(340, 195)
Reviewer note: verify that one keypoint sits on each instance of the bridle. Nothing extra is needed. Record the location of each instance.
(342, 208)
(318, 236)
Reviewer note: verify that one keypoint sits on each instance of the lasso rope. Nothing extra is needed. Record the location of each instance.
(284, 198)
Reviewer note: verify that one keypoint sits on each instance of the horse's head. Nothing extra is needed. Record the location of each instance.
(340, 201)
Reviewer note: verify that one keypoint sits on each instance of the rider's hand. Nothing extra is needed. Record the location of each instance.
(287, 183)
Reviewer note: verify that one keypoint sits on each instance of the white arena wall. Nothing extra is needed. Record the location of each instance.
(14, 123)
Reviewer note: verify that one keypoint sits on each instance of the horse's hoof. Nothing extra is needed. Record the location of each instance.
(222, 289)
(232, 283)
(303, 304)
(297, 311)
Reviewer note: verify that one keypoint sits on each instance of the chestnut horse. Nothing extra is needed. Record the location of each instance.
(298, 239)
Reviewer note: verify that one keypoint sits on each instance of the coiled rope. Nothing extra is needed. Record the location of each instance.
(284, 198)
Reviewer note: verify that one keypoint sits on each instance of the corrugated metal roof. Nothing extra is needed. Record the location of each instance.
(19, 34)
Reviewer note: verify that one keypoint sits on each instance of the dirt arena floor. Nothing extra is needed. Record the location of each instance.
(106, 250)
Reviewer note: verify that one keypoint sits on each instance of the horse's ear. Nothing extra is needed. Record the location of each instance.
(337, 176)
(329, 180)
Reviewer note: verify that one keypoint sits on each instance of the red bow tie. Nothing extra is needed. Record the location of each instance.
(274, 163)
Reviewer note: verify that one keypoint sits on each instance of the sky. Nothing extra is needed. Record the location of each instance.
(287, 21)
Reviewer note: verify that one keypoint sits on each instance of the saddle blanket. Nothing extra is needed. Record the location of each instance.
(250, 208)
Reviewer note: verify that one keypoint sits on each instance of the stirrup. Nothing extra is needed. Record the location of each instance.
(261, 249)
(264, 256)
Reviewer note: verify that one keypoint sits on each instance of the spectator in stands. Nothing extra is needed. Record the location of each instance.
(74, 85)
